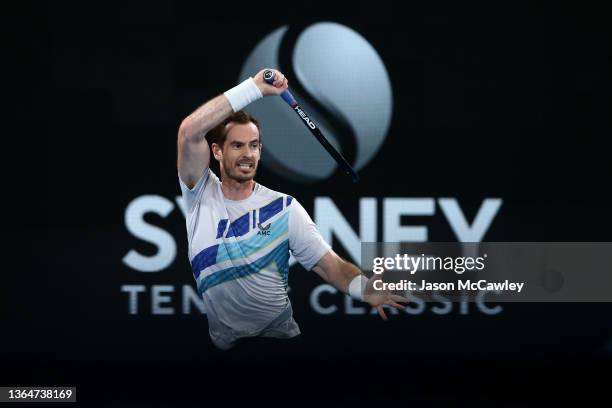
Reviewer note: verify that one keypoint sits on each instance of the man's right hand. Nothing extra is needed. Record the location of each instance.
(278, 87)
(379, 298)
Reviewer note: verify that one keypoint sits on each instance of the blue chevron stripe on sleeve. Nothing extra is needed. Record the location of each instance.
(204, 259)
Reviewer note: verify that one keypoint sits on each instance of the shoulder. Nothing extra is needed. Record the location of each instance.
(212, 177)
(212, 188)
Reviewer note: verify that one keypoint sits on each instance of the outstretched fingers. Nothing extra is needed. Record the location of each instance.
(392, 300)
(382, 313)
(399, 298)
(395, 305)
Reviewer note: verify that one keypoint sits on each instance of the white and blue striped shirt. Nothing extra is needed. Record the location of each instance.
(239, 253)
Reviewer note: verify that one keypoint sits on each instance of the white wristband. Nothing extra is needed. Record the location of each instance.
(357, 287)
(243, 94)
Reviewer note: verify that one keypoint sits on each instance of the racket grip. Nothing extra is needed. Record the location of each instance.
(269, 77)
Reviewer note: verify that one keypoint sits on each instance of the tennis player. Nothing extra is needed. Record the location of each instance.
(240, 233)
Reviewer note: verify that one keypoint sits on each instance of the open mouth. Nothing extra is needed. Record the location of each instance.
(246, 166)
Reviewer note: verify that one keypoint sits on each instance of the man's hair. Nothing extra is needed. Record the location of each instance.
(218, 134)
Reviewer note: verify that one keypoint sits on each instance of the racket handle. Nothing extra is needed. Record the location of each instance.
(269, 77)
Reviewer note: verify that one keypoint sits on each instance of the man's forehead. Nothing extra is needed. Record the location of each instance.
(241, 132)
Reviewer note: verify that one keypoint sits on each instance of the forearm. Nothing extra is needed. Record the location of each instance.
(206, 117)
(336, 271)
(345, 275)
(213, 112)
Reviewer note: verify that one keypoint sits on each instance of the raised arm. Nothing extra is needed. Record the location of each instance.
(193, 150)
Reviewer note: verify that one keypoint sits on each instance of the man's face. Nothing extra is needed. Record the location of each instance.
(241, 151)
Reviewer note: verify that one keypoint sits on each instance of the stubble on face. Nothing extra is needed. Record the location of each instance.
(241, 152)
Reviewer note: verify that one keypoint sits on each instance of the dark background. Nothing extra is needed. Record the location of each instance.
(509, 101)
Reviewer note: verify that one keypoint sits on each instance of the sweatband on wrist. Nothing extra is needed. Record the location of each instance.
(243, 94)
(357, 287)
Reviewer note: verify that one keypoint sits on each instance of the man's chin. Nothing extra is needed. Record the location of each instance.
(241, 178)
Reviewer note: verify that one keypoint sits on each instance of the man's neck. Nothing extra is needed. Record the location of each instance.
(236, 190)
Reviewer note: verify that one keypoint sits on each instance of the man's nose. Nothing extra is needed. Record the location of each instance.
(247, 152)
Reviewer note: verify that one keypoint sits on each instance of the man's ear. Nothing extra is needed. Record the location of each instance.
(217, 151)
